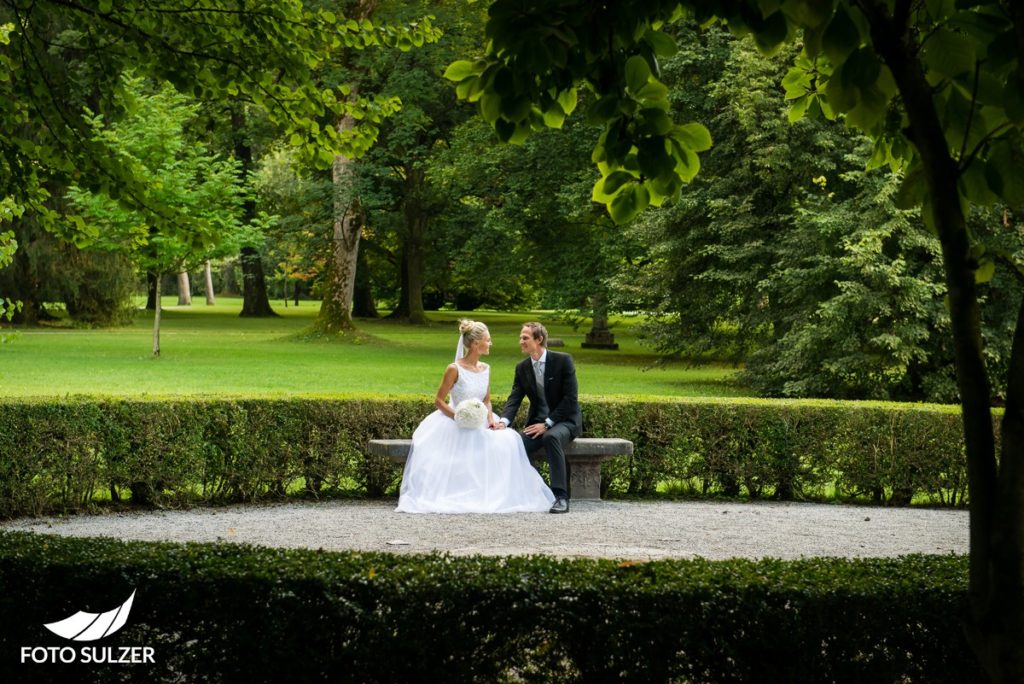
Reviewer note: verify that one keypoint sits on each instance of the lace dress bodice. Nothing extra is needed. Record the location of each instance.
(470, 385)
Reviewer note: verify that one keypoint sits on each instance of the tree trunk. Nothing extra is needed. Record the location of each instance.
(184, 290)
(995, 626)
(156, 316)
(151, 289)
(363, 305)
(208, 283)
(600, 335)
(339, 283)
(401, 310)
(416, 221)
(228, 286)
(255, 302)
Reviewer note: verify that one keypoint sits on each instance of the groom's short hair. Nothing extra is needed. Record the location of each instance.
(539, 332)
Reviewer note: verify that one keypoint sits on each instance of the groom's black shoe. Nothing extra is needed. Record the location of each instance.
(561, 505)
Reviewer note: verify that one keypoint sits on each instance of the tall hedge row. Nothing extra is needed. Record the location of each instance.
(225, 612)
(64, 454)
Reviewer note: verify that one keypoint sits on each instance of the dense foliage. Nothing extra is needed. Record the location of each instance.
(226, 611)
(68, 454)
(938, 87)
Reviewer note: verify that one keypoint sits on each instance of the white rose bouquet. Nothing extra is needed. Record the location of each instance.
(471, 414)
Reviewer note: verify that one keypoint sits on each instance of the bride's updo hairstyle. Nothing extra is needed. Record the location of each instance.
(471, 332)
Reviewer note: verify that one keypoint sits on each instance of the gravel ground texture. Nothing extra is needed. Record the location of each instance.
(593, 529)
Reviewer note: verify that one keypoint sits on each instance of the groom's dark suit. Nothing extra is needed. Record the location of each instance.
(559, 404)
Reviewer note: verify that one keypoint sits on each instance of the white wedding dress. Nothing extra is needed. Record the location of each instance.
(451, 469)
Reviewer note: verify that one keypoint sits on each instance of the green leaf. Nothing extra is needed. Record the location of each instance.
(986, 269)
(656, 121)
(628, 203)
(694, 136)
(912, 190)
(600, 111)
(1002, 172)
(520, 133)
(515, 108)
(607, 187)
(948, 53)
(663, 44)
(772, 32)
(490, 107)
(567, 100)
(862, 68)
(654, 94)
(654, 159)
(796, 82)
(973, 183)
(638, 73)
(457, 71)
(505, 129)
(841, 37)
(466, 87)
(842, 97)
(798, 108)
(554, 117)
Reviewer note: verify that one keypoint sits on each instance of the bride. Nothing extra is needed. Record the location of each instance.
(468, 463)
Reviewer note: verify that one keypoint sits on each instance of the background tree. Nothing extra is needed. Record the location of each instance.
(939, 87)
(207, 192)
(8, 245)
(349, 215)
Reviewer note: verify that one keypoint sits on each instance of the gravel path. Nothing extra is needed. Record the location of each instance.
(606, 529)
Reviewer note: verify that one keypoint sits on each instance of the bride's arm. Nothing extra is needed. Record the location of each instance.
(451, 374)
(491, 421)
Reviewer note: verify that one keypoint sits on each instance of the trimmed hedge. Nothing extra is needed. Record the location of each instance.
(225, 612)
(59, 455)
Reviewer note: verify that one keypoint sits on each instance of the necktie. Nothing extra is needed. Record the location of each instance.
(542, 402)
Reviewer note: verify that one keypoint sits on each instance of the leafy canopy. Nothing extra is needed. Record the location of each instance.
(538, 53)
(57, 56)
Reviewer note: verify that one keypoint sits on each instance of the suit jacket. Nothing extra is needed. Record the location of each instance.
(560, 391)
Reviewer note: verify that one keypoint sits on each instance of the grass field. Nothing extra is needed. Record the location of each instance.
(212, 351)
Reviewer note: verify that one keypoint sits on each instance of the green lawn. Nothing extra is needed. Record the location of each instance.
(212, 351)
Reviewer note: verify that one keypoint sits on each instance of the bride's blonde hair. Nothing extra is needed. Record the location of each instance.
(471, 332)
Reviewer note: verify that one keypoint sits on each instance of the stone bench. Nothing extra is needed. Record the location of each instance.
(583, 458)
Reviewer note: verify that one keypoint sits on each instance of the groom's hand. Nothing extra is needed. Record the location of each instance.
(535, 430)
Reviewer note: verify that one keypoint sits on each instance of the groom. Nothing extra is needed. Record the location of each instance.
(548, 379)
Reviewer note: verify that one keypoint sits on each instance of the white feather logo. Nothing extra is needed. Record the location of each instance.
(84, 626)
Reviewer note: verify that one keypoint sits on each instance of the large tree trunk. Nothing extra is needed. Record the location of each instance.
(339, 283)
(401, 310)
(208, 283)
(416, 221)
(996, 587)
(184, 289)
(255, 301)
(363, 305)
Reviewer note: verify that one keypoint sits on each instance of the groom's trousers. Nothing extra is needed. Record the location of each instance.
(554, 442)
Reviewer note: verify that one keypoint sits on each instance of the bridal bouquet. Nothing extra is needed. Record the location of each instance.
(471, 414)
